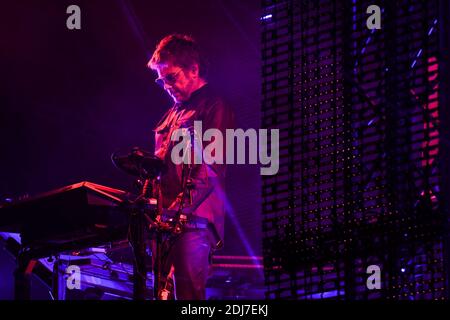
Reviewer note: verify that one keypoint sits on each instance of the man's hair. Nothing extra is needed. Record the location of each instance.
(181, 50)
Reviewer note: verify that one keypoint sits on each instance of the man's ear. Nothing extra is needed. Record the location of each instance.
(195, 70)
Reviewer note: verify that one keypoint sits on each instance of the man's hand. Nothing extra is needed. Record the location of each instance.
(171, 212)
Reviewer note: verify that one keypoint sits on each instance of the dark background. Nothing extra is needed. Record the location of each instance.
(69, 98)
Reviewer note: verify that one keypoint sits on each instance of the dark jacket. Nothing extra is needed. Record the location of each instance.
(208, 194)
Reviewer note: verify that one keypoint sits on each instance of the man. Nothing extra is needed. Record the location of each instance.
(194, 191)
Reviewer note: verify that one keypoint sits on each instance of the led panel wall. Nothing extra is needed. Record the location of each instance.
(358, 188)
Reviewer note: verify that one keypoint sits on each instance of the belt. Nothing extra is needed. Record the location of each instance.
(189, 222)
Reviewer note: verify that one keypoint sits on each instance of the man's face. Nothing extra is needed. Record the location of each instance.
(177, 81)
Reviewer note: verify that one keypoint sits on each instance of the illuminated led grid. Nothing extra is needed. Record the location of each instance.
(358, 182)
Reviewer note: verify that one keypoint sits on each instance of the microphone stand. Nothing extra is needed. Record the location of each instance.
(138, 233)
(137, 237)
(142, 213)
